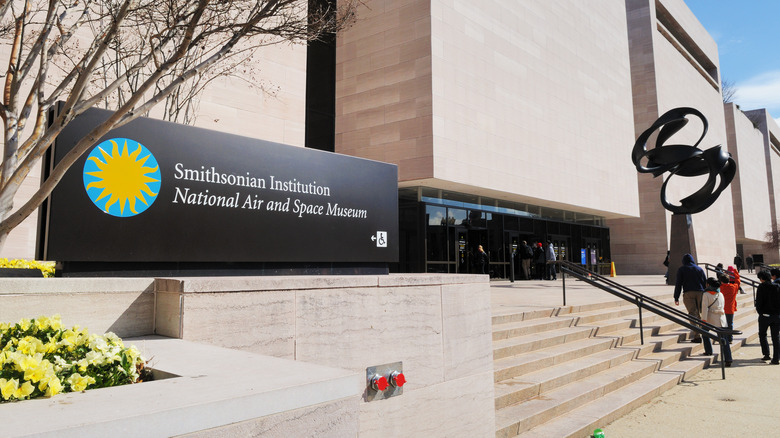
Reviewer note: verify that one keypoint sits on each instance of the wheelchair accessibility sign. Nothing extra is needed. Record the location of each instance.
(380, 238)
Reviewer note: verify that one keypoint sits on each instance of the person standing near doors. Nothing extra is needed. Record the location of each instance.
(482, 260)
(539, 262)
(526, 254)
(550, 258)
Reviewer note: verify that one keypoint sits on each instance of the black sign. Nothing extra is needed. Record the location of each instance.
(153, 191)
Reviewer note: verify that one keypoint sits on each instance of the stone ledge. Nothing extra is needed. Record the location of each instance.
(303, 282)
(216, 387)
(18, 286)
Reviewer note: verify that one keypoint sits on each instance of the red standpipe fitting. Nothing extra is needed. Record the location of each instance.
(378, 383)
(397, 379)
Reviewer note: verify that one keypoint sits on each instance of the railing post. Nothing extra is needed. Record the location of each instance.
(512, 268)
(722, 358)
(641, 325)
(563, 280)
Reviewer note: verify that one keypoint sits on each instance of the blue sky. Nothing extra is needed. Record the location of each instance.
(748, 36)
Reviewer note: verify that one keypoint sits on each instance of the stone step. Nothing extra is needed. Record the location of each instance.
(583, 310)
(526, 315)
(537, 373)
(619, 332)
(518, 365)
(582, 421)
(526, 376)
(524, 328)
(513, 419)
(529, 385)
(522, 344)
(674, 361)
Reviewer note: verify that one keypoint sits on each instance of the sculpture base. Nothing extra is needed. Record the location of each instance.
(681, 242)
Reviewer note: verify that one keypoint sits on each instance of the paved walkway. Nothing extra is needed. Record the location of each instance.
(521, 296)
(745, 404)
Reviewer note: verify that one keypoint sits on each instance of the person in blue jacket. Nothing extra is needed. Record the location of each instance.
(691, 281)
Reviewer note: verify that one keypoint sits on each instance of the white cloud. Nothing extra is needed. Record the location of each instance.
(761, 91)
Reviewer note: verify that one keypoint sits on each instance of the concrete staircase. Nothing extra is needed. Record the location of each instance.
(568, 374)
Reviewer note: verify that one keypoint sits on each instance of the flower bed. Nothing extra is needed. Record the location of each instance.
(40, 358)
(46, 268)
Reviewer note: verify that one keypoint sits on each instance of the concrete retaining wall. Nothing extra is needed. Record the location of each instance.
(438, 326)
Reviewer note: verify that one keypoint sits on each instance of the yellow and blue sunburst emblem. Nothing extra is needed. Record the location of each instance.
(115, 181)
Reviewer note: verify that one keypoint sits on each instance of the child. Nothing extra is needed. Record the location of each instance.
(712, 305)
(729, 287)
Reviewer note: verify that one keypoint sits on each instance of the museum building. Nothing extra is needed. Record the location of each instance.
(511, 122)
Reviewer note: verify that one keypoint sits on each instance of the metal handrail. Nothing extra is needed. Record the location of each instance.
(761, 267)
(743, 280)
(643, 301)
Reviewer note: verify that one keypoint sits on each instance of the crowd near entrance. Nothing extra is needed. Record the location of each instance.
(443, 235)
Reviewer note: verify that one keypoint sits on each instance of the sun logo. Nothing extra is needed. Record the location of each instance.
(115, 181)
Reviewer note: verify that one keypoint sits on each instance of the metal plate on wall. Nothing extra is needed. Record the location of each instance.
(383, 370)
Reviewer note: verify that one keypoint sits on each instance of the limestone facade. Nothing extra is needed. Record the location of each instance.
(526, 102)
(522, 101)
(674, 63)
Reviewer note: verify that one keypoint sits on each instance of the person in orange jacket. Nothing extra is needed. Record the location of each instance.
(729, 287)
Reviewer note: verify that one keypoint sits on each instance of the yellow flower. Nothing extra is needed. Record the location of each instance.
(25, 363)
(25, 324)
(8, 388)
(56, 322)
(133, 354)
(38, 373)
(94, 358)
(79, 383)
(42, 323)
(30, 345)
(98, 343)
(54, 387)
(69, 339)
(50, 347)
(24, 391)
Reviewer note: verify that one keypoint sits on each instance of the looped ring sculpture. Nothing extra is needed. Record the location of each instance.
(684, 160)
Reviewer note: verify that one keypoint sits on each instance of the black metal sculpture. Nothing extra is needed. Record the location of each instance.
(684, 160)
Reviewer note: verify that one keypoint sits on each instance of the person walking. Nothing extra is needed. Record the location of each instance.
(712, 312)
(691, 282)
(749, 264)
(729, 287)
(738, 262)
(768, 308)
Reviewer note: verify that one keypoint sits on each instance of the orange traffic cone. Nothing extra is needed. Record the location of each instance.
(612, 272)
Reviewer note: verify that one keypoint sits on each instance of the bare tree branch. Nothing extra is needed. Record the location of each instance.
(127, 56)
(728, 90)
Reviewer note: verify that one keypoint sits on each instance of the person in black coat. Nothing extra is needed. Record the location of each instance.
(526, 254)
(691, 282)
(540, 262)
(768, 308)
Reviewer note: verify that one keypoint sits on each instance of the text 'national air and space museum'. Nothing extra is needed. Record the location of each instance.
(508, 122)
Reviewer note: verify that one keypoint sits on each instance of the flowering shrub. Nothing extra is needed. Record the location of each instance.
(46, 267)
(39, 358)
